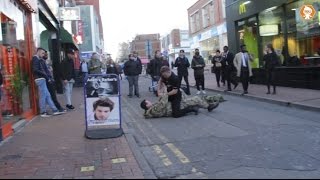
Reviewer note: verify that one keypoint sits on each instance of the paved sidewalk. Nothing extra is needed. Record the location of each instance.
(55, 147)
(296, 97)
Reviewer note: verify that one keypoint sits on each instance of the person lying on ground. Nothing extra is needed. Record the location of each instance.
(162, 108)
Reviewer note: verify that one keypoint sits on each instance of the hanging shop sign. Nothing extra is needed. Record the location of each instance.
(69, 14)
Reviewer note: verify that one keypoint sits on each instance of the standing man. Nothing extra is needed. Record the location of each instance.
(173, 91)
(84, 68)
(135, 55)
(198, 65)
(154, 67)
(228, 67)
(40, 79)
(68, 77)
(50, 83)
(131, 70)
(182, 63)
(95, 65)
(243, 66)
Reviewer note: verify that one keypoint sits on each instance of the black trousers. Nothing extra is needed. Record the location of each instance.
(52, 91)
(185, 77)
(223, 75)
(270, 76)
(218, 72)
(199, 81)
(176, 110)
(230, 77)
(244, 77)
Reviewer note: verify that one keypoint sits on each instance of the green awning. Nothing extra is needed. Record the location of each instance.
(44, 39)
(66, 38)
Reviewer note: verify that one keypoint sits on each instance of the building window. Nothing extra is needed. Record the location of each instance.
(271, 29)
(185, 37)
(303, 36)
(211, 10)
(248, 35)
(223, 4)
(197, 21)
(205, 16)
(192, 24)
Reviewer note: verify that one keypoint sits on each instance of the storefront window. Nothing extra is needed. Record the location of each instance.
(271, 29)
(247, 34)
(303, 35)
(13, 57)
(209, 47)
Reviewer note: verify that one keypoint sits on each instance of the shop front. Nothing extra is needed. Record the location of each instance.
(293, 32)
(16, 49)
(212, 40)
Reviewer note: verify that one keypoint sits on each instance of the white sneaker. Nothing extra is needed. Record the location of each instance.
(45, 115)
(198, 92)
(203, 92)
(58, 113)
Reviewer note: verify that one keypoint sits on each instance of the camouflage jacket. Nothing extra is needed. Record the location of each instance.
(162, 108)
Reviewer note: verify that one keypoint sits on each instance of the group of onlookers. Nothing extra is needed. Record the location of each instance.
(228, 68)
(232, 68)
(97, 66)
(46, 83)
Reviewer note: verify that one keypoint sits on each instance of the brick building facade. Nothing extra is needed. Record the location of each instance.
(207, 26)
(146, 44)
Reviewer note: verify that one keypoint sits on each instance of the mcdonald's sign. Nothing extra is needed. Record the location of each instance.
(242, 7)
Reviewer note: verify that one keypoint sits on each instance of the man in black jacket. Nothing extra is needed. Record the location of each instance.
(228, 67)
(41, 77)
(182, 63)
(174, 94)
(198, 65)
(132, 70)
(154, 67)
(136, 57)
(68, 77)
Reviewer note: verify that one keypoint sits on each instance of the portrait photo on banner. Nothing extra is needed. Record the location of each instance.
(103, 111)
(101, 86)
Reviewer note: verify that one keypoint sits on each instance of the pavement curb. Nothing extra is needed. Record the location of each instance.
(278, 102)
(19, 125)
(145, 168)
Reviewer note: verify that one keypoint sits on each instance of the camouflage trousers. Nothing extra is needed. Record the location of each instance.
(200, 101)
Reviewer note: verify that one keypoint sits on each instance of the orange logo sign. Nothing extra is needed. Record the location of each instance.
(307, 12)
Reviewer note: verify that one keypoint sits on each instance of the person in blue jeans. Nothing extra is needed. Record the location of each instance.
(68, 77)
(40, 79)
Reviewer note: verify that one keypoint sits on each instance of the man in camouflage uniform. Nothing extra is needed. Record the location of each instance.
(163, 108)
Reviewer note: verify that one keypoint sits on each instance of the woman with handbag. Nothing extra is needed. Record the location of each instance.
(217, 66)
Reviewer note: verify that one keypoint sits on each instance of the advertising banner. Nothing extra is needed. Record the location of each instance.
(102, 106)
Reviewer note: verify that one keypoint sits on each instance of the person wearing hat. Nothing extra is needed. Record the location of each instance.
(68, 76)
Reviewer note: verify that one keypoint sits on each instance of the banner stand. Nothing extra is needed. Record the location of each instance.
(102, 106)
(103, 134)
